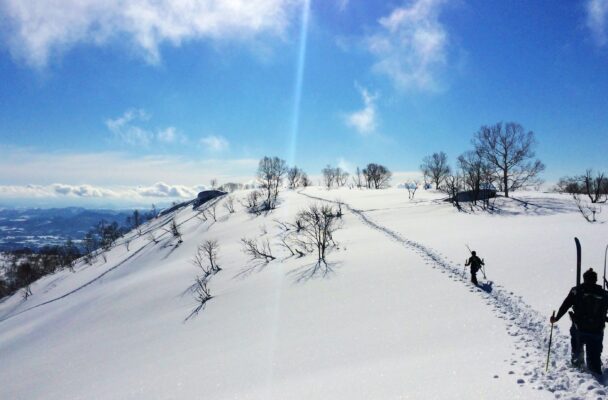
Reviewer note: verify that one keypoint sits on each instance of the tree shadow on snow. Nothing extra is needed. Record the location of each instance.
(250, 269)
(318, 269)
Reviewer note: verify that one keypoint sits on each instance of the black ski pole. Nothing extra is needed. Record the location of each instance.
(550, 340)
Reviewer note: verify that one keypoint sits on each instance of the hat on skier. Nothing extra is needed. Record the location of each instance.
(473, 252)
(590, 275)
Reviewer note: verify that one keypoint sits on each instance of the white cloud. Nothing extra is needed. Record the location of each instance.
(597, 19)
(214, 143)
(22, 166)
(139, 194)
(161, 189)
(364, 120)
(170, 135)
(124, 129)
(411, 45)
(127, 129)
(346, 165)
(41, 30)
(82, 190)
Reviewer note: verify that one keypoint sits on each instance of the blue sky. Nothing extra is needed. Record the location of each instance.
(129, 101)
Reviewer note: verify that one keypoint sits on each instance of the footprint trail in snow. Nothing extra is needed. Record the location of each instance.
(528, 327)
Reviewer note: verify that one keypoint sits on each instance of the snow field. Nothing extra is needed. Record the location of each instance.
(391, 319)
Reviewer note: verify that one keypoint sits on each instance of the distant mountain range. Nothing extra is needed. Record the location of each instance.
(35, 227)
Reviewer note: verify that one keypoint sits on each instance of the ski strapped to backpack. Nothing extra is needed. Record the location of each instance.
(605, 281)
(578, 261)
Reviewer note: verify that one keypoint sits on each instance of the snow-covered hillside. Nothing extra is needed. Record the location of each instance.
(391, 318)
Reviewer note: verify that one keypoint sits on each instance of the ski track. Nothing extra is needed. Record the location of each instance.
(528, 327)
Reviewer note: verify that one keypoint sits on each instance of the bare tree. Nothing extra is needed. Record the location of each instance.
(202, 215)
(567, 184)
(477, 174)
(435, 167)
(376, 176)
(230, 187)
(201, 294)
(211, 210)
(229, 204)
(318, 225)
(174, 231)
(357, 179)
(412, 186)
(340, 206)
(208, 251)
(341, 176)
(294, 177)
(329, 175)
(589, 211)
(151, 238)
(304, 181)
(452, 186)
(200, 261)
(596, 188)
(252, 202)
(270, 176)
(257, 251)
(508, 149)
(213, 183)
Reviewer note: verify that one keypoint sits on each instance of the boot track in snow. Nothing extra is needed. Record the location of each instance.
(528, 327)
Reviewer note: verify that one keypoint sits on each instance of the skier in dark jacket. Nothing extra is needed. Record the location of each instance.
(590, 304)
(475, 263)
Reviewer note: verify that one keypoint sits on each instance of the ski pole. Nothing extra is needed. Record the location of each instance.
(464, 270)
(550, 340)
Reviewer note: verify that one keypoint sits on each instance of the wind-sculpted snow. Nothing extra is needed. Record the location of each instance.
(528, 327)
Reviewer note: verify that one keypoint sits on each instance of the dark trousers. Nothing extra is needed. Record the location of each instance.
(592, 342)
(474, 275)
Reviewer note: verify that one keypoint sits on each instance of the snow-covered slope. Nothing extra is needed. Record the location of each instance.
(391, 318)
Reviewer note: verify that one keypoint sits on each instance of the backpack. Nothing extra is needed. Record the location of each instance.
(590, 308)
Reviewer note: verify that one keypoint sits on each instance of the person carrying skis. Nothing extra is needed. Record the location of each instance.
(590, 304)
(475, 263)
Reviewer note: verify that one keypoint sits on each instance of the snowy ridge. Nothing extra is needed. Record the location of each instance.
(376, 325)
(149, 228)
(529, 327)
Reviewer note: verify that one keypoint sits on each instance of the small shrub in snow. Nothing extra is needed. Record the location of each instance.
(318, 226)
(206, 257)
(252, 202)
(152, 239)
(212, 211)
(588, 210)
(229, 204)
(201, 294)
(174, 231)
(257, 251)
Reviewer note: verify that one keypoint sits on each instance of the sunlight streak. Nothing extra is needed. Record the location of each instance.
(295, 122)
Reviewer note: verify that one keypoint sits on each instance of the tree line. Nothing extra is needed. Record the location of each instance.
(502, 157)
